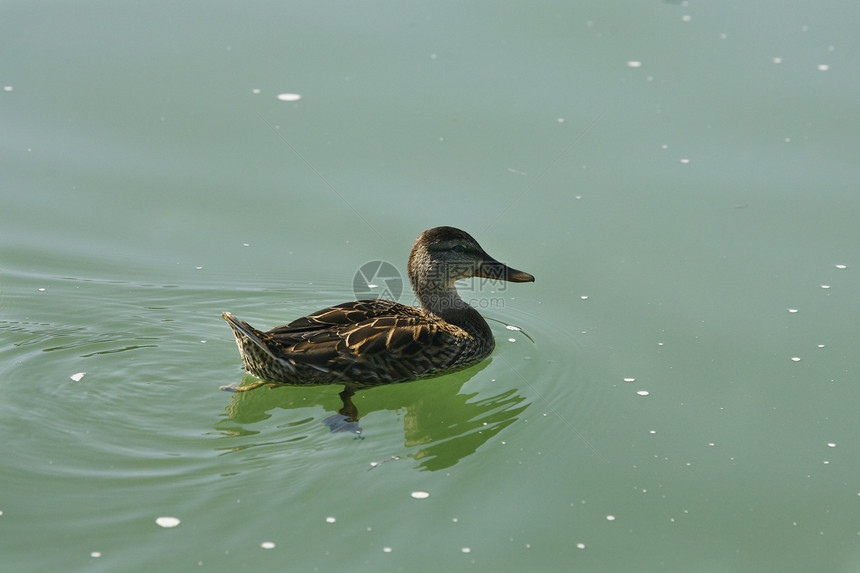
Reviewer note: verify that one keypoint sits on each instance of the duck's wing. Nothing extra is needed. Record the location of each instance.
(373, 334)
(346, 314)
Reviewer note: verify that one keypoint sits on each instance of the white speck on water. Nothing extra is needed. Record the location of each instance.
(95, 554)
(560, 120)
(841, 266)
(420, 494)
(821, 346)
(289, 97)
(580, 545)
(42, 289)
(512, 327)
(255, 91)
(77, 377)
(372, 286)
(723, 36)
(267, 545)
(199, 268)
(455, 519)
(330, 519)
(466, 550)
(630, 379)
(825, 286)
(686, 18)
(512, 339)
(831, 444)
(652, 431)
(610, 518)
(823, 67)
(634, 64)
(795, 358)
(386, 549)
(246, 244)
(777, 60)
(584, 297)
(8, 88)
(792, 310)
(685, 161)
(643, 392)
(167, 521)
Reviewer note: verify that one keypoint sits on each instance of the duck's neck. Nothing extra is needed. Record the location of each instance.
(444, 301)
(441, 300)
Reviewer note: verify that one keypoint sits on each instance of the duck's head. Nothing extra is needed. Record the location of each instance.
(442, 255)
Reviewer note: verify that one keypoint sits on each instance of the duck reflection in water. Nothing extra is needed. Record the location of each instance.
(441, 424)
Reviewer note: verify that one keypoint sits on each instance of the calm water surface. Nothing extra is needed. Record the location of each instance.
(679, 388)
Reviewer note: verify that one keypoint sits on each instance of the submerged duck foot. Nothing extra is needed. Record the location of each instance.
(346, 419)
(254, 386)
(340, 423)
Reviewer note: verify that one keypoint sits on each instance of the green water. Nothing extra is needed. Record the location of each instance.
(680, 177)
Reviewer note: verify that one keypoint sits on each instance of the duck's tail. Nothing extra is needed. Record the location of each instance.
(245, 332)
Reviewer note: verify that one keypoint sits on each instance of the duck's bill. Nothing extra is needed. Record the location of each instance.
(492, 269)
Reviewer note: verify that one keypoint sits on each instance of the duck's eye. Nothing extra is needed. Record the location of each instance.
(458, 249)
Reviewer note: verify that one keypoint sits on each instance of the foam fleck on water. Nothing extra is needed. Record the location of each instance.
(167, 521)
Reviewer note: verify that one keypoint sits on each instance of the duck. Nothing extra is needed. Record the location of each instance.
(378, 341)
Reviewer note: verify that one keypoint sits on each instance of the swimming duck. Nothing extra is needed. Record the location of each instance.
(370, 342)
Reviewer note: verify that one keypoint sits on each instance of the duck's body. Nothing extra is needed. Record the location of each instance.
(370, 342)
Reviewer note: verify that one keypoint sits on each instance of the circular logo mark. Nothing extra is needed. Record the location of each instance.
(377, 279)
